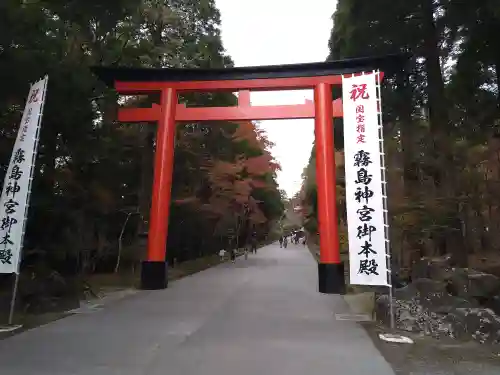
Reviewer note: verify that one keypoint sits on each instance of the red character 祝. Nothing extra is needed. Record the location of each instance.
(34, 96)
(359, 91)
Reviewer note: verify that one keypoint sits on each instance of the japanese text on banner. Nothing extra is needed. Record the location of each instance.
(365, 207)
(15, 193)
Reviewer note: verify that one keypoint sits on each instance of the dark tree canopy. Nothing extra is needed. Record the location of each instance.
(94, 174)
(441, 118)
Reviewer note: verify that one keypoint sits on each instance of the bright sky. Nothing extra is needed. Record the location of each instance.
(272, 32)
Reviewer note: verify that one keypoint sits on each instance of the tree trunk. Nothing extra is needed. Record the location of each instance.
(146, 153)
(439, 123)
(407, 129)
(497, 73)
(46, 184)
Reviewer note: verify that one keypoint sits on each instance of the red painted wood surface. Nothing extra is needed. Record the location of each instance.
(162, 180)
(261, 84)
(237, 113)
(325, 176)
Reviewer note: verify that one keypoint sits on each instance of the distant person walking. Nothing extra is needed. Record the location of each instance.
(222, 255)
(231, 247)
(253, 242)
(281, 241)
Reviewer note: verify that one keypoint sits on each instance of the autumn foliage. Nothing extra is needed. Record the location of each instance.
(234, 187)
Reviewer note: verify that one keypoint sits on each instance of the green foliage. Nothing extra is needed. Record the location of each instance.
(92, 172)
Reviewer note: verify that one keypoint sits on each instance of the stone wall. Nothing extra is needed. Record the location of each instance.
(443, 301)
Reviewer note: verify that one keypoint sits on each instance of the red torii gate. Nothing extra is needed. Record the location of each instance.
(169, 82)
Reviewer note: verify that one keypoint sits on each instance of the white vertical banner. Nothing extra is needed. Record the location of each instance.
(364, 176)
(17, 182)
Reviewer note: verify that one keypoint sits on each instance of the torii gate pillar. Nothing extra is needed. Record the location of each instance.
(330, 269)
(154, 270)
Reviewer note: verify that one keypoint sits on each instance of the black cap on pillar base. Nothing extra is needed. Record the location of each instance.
(154, 275)
(331, 278)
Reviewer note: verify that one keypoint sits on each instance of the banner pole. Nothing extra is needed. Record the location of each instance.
(391, 306)
(384, 196)
(13, 299)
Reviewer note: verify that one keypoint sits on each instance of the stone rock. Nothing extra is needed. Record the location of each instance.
(413, 317)
(494, 304)
(422, 306)
(429, 288)
(480, 324)
(475, 323)
(434, 296)
(424, 291)
(443, 301)
(471, 284)
(436, 268)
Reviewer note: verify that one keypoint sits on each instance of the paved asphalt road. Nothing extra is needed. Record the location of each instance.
(262, 316)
